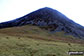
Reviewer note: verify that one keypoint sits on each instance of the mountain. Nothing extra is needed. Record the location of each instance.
(48, 19)
(44, 32)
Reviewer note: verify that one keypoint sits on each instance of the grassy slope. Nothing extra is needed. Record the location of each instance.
(33, 41)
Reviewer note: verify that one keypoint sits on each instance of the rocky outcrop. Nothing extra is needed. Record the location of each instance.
(48, 19)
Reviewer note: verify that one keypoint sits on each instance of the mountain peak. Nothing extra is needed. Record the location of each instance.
(49, 19)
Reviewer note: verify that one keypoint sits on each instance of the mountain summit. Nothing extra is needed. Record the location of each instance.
(49, 19)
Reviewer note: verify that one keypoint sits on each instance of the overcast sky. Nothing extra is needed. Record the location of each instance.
(12, 9)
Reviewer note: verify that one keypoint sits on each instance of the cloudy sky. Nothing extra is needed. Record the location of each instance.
(12, 9)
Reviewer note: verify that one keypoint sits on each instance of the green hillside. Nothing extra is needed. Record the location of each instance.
(32, 41)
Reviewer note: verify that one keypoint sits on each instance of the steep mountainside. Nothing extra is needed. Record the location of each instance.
(34, 32)
(49, 19)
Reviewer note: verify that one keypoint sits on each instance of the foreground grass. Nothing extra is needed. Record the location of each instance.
(33, 41)
(15, 46)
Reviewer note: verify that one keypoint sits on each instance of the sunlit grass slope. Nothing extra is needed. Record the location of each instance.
(32, 41)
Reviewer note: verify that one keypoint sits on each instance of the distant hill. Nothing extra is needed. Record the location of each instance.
(48, 19)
